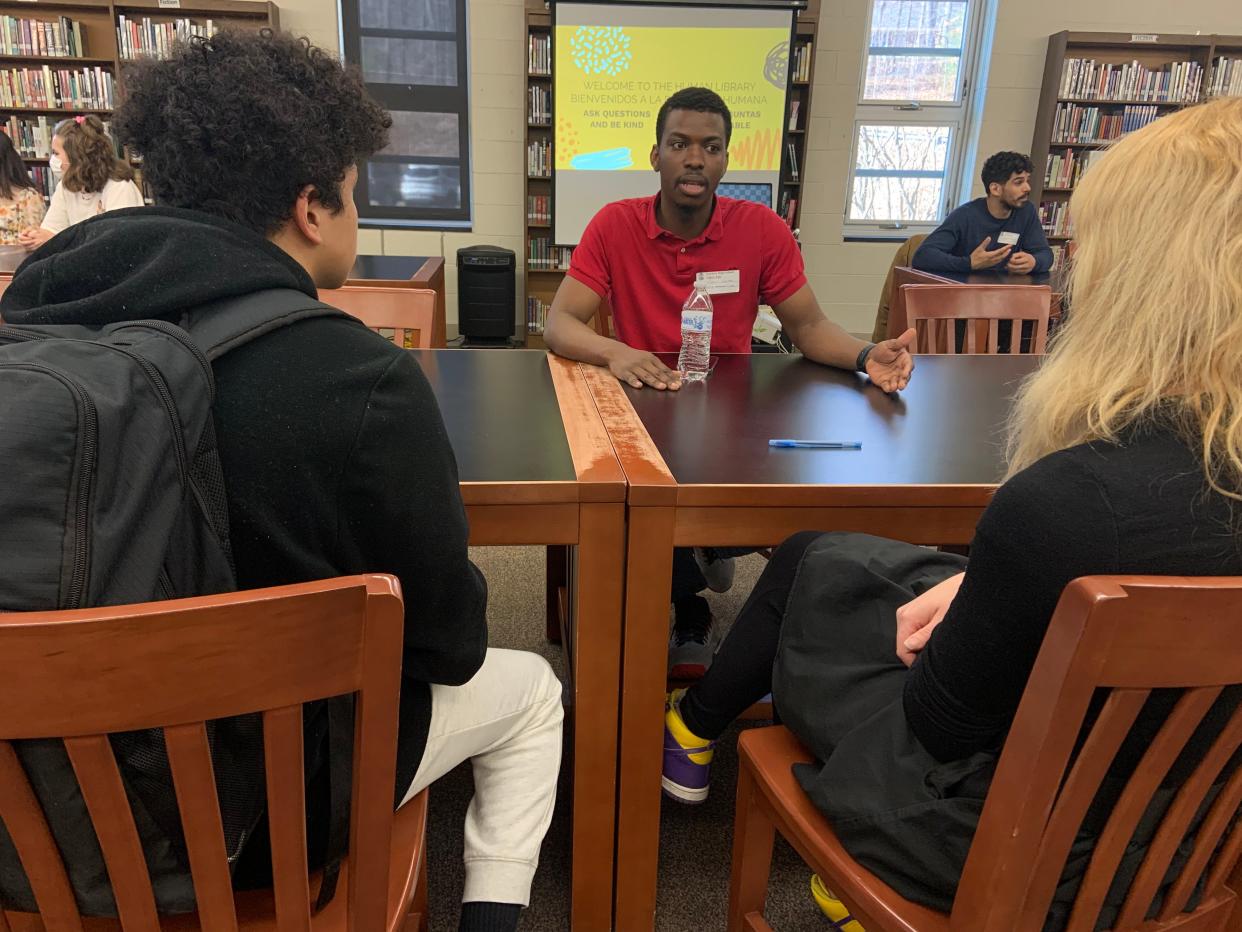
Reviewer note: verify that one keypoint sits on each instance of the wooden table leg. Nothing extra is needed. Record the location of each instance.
(597, 673)
(649, 573)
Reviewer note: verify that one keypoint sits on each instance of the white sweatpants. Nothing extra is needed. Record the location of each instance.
(507, 722)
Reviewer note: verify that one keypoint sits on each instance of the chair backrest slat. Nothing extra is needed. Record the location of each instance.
(1177, 822)
(94, 765)
(370, 820)
(1219, 819)
(1146, 779)
(286, 816)
(1120, 710)
(23, 819)
(189, 758)
(977, 305)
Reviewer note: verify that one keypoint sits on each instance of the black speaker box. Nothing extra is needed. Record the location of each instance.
(486, 292)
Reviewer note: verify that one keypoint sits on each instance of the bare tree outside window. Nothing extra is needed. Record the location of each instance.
(910, 120)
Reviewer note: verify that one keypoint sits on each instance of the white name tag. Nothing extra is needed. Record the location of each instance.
(1007, 238)
(729, 282)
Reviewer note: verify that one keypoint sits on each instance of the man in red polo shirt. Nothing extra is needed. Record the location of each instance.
(644, 254)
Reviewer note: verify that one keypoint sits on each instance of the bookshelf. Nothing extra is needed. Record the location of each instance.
(1098, 86)
(797, 115)
(546, 262)
(66, 57)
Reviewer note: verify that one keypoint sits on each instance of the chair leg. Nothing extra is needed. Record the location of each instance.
(557, 575)
(753, 838)
(417, 920)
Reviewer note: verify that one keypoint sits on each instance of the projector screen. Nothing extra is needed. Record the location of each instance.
(617, 63)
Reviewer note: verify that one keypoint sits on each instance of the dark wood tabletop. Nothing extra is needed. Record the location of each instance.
(945, 428)
(387, 267)
(501, 412)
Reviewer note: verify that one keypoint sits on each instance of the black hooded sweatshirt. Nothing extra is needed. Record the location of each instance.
(335, 457)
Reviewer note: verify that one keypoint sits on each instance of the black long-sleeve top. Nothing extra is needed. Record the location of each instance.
(1140, 507)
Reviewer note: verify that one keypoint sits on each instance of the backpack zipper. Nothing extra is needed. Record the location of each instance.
(86, 475)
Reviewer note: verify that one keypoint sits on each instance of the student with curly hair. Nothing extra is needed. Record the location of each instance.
(21, 204)
(92, 179)
(336, 459)
(998, 231)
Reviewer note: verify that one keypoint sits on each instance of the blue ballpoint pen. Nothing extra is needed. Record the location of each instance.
(818, 444)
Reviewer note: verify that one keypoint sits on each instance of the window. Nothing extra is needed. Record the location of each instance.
(910, 129)
(412, 54)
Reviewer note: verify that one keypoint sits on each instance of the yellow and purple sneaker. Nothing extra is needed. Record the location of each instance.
(836, 911)
(687, 757)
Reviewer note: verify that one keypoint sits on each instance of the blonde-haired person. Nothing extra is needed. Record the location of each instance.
(901, 672)
(92, 179)
(21, 204)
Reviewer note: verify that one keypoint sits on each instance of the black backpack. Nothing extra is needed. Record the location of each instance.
(112, 493)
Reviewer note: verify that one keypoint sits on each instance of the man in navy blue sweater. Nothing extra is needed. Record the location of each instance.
(1000, 231)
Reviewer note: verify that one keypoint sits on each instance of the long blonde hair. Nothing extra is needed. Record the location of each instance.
(1155, 326)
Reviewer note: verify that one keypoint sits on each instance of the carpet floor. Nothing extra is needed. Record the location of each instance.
(695, 841)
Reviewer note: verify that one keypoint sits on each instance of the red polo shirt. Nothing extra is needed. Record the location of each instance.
(646, 272)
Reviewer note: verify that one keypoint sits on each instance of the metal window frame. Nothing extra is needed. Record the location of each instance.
(424, 98)
(958, 115)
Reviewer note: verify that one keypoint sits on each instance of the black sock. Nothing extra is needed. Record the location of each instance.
(482, 916)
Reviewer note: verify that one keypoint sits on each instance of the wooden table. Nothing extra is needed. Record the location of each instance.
(536, 467)
(700, 472)
(405, 272)
(907, 275)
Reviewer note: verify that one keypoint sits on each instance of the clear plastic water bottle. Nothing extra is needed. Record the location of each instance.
(696, 335)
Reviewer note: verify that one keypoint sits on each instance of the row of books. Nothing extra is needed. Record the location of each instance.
(536, 314)
(1074, 123)
(541, 254)
(539, 54)
(538, 208)
(143, 38)
(1054, 215)
(41, 175)
(1226, 77)
(1066, 167)
(57, 88)
(31, 136)
(539, 158)
(802, 62)
(1087, 78)
(539, 104)
(792, 161)
(788, 208)
(61, 38)
(793, 113)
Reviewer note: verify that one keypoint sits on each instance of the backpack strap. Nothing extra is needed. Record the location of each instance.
(225, 324)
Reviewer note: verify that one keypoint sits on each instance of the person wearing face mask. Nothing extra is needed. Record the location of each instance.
(21, 205)
(91, 179)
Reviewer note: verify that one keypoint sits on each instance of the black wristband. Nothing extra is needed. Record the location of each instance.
(860, 364)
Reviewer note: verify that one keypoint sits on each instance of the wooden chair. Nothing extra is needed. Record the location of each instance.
(80, 675)
(933, 310)
(406, 316)
(903, 256)
(603, 320)
(1127, 635)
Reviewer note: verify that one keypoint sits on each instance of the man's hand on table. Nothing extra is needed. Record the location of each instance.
(639, 368)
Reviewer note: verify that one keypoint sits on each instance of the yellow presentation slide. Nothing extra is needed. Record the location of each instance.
(611, 81)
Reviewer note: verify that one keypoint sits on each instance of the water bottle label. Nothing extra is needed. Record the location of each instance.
(699, 321)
